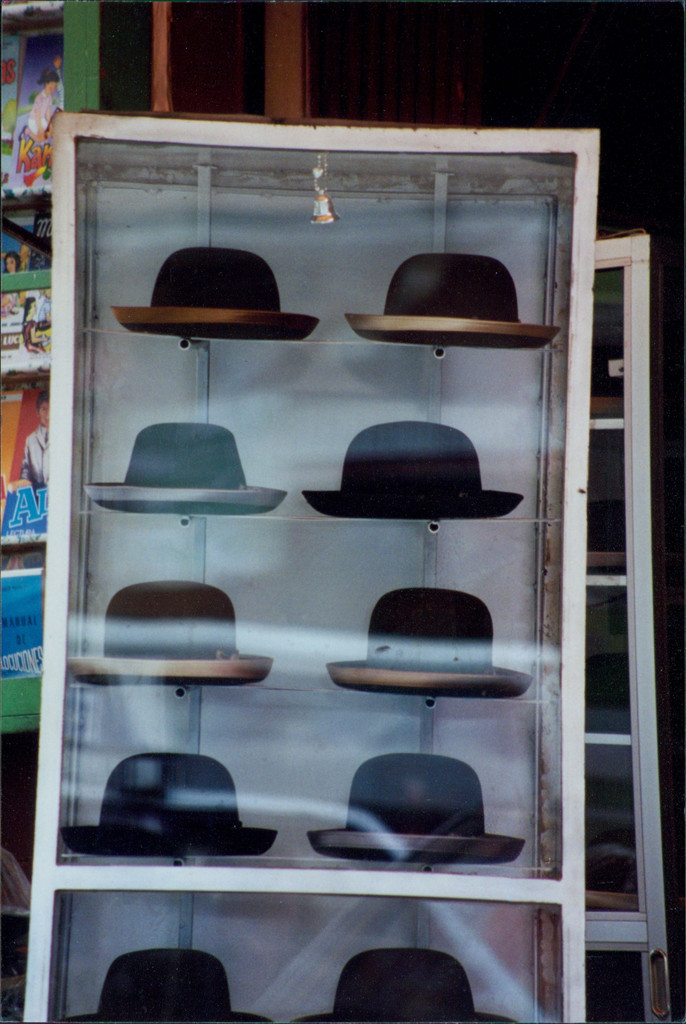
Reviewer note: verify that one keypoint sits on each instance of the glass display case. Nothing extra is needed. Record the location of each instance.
(315, 607)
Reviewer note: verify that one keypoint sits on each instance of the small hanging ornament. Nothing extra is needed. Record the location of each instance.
(324, 212)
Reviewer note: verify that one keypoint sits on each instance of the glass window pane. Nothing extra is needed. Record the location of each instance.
(606, 513)
(611, 876)
(607, 661)
(614, 986)
(607, 388)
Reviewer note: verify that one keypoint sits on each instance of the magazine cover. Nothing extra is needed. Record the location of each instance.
(11, 260)
(10, 88)
(42, 229)
(22, 623)
(26, 329)
(41, 95)
(18, 253)
(24, 558)
(25, 464)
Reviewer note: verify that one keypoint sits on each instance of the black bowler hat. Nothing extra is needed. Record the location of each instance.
(186, 469)
(215, 293)
(403, 984)
(171, 631)
(411, 469)
(452, 299)
(429, 640)
(422, 808)
(166, 985)
(169, 805)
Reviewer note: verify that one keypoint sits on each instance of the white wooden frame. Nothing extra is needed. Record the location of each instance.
(568, 891)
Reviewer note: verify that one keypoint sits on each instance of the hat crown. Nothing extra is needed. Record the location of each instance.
(165, 985)
(452, 285)
(191, 455)
(169, 619)
(404, 984)
(416, 794)
(411, 456)
(216, 278)
(430, 629)
(169, 795)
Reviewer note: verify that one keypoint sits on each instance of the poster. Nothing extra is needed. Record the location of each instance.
(22, 623)
(11, 48)
(26, 329)
(18, 254)
(25, 464)
(41, 95)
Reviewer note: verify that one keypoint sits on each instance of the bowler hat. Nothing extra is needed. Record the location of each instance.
(166, 985)
(412, 470)
(430, 641)
(187, 469)
(168, 805)
(215, 293)
(171, 631)
(422, 808)
(403, 984)
(452, 299)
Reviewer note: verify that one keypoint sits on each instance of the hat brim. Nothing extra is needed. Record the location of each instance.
(334, 1018)
(232, 671)
(415, 849)
(217, 324)
(110, 841)
(359, 675)
(228, 1016)
(451, 331)
(199, 501)
(389, 505)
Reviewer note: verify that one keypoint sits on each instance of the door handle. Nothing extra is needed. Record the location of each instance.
(659, 984)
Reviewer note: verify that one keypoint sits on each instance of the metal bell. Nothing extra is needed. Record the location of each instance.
(324, 212)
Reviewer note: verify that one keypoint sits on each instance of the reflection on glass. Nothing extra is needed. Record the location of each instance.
(611, 880)
(607, 386)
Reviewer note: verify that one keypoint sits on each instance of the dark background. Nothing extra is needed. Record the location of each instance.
(616, 66)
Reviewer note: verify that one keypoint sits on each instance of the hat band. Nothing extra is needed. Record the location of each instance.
(409, 821)
(430, 654)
